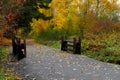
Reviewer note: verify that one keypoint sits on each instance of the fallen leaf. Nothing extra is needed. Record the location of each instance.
(72, 79)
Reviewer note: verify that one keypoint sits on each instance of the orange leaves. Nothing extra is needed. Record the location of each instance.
(105, 26)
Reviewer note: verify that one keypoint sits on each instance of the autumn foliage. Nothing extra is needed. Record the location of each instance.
(68, 17)
(78, 17)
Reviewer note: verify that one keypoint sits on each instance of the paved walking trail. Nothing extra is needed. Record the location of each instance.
(44, 63)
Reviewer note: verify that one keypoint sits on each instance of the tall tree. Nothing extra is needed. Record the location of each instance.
(30, 11)
(98, 10)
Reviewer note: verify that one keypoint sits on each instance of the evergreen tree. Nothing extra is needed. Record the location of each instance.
(29, 11)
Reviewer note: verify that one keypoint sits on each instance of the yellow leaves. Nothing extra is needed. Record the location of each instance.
(38, 25)
(64, 54)
(61, 13)
(20, 31)
(111, 5)
(107, 7)
(46, 12)
(59, 20)
(40, 10)
(10, 76)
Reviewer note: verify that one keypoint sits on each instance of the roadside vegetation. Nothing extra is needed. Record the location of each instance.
(2, 59)
(5, 74)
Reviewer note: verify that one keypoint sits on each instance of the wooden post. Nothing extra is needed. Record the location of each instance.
(63, 44)
(13, 47)
(78, 46)
(25, 48)
(18, 45)
(74, 45)
(80, 41)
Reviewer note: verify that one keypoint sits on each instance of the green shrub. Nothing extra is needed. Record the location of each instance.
(105, 48)
(2, 54)
(9, 34)
(48, 35)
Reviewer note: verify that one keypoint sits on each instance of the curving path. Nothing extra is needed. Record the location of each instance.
(44, 63)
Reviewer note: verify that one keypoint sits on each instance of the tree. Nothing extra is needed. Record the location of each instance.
(65, 15)
(30, 11)
(92, 11)
(77, 16)
(9, 10)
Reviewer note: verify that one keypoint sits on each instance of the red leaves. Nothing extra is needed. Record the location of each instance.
(1, 6)
(0, 39)
(10, 16)
(22, 1)
(104, 25)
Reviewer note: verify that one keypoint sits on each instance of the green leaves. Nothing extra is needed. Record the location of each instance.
(2, 54)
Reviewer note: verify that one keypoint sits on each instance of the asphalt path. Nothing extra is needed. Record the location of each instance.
(44, 63)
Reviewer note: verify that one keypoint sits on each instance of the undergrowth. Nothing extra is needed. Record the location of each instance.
(4, 73)
(103, 47)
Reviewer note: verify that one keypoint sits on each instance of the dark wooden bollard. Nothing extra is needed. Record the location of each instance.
(25, 48)
(15, 45)
(22, 50)
(78, 46)
(19, 49)
(63, 44)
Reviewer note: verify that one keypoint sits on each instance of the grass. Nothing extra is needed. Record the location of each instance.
(6, 74)
(55, 44)
(3, 53)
